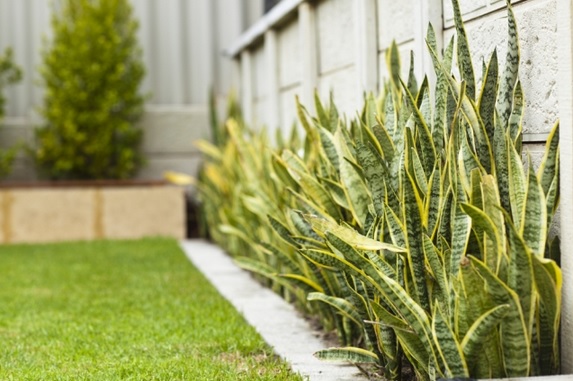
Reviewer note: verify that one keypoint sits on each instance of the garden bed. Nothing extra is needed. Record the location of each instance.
(86, 210)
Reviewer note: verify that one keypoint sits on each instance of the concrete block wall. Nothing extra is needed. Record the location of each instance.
(289, 73)
(395, 23)
(337, 55)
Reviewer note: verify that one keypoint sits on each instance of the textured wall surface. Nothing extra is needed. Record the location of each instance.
(537, 25)
(289, 55)
(395, 22)
(337, 53)
(260, 89)
(289, 72)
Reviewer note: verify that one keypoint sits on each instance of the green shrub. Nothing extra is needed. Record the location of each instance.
(416, 230)
(92, 73)
(9, 74)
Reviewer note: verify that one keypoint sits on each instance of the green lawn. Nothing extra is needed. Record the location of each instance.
(121, 310)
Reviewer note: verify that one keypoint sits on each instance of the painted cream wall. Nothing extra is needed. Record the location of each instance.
(395, 23)
(289, 74)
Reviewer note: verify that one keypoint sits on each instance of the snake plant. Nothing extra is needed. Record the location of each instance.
(414, 230)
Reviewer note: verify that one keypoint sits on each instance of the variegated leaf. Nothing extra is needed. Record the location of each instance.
(534, 226)
(352, 237)
(509, 75)
(344, 307)
(347, 354)
(449, 348)
(514, 338)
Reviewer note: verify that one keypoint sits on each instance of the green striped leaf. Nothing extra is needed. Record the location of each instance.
(396, 228)
(412, 82)
(301, 114)
(419, 175)
(255, 266)
(371, 111)
(353, 184)
(548, 283)
(552, 200)
(350, 236)
(494, 250)
(412, 211)
(302, 225)
(383, 137)
(336, 192)
(301, 279)
(329, 148)
(393, 63)
(449, 348)
(501, 154)
(426, 142)
(549, 168)
(520, 274)
(424, 103)
(514, 338)
(390, 114)
(438, 272)
(514, 124)
(374, 173)
(534, 226)
(281, 170)
(461, 228)
(548, 172)
(434, 200)
(464, 57)
(409, 311)
(509, 75)
(517, 185)
(386, 318)
(347, 354)
(482, 221)
(488, 95)
(478, 333)
(344, 307)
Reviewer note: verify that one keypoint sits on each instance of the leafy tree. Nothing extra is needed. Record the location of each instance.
(92, 72)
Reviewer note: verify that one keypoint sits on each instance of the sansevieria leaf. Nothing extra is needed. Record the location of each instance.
(450, 350)
(350, 236)
(347, 354)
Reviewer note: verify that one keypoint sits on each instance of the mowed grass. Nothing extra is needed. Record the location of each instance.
(121, 310)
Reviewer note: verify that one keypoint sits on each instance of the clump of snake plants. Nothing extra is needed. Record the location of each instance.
(415, 230)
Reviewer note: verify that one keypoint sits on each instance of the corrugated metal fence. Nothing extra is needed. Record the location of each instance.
(182, 41)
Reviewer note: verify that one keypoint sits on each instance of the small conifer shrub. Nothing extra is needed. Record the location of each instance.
(92, 73)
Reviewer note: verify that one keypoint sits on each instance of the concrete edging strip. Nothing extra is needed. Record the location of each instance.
(281, 326)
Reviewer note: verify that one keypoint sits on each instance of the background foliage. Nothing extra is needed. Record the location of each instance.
(10, 73)
(92, 73)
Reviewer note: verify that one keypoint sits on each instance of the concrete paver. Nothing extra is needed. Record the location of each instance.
(277, 321)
